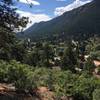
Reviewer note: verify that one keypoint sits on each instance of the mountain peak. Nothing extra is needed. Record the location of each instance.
(83, 21)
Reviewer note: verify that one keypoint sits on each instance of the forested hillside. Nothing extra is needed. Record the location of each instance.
(82, 22)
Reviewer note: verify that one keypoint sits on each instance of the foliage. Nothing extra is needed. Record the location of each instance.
(9, 19)
(98, 69)
(41, 76)
(96, 94)
(84, 87)
(10, 22)
(89, 65)
(40, 55)
(32, 58)
(18, 74)
(3, 71)
(48, 54)
(19, 51)
(63, 83)
(93, 48)
(69, 59)
(95, 55)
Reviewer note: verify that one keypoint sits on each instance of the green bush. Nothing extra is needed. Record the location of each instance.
(95, 55)
(41, 76)
(89, 65)
(3, 71)
(18, 74)
(83, 87)
(97, 47)
(63, 83)
(98, 70)
(96, 94)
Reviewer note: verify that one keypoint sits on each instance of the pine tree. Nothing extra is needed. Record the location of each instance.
(10, 22)
(69, 59)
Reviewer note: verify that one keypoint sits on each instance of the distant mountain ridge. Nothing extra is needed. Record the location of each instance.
(80, 22)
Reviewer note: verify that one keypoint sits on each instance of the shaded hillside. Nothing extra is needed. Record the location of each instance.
(81, 22)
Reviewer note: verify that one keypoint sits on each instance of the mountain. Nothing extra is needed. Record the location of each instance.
(78, 23)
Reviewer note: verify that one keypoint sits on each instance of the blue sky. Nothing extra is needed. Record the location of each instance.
(44, 10)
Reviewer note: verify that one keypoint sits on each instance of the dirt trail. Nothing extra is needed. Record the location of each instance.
(8, 92)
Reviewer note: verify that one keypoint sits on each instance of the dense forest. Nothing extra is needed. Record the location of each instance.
(67, 69)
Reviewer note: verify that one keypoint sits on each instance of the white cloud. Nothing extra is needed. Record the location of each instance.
(30, 2)
(34, 18)
(75, 4)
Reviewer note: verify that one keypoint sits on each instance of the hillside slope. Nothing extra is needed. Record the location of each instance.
(81, 22)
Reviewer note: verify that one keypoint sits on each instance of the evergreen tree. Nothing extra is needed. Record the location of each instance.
(48, 54)
(10, 22)
(69, 59)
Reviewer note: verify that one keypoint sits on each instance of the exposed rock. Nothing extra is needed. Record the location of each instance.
(44, 93)
(6, 87)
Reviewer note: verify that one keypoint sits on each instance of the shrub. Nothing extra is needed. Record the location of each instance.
(97, 48)
(96, 94)
(84, 87)
(95, 55)
(3, 71)
(63, 82)
(98, 69)
(41, 76)
(18, 74)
